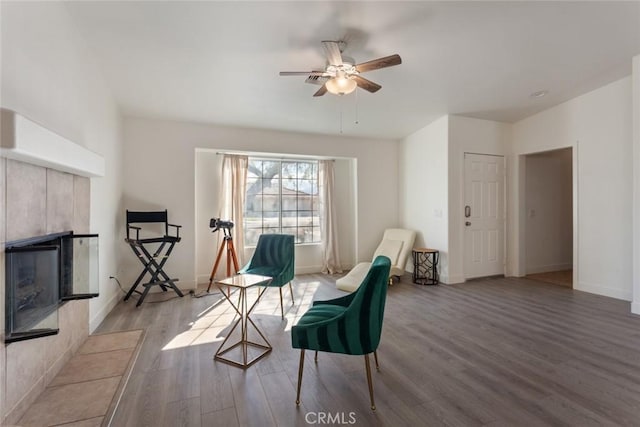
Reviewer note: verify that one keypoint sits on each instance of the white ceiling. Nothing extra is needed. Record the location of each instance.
(218, 62)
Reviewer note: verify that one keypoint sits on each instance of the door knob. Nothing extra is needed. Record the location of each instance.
(467, 223)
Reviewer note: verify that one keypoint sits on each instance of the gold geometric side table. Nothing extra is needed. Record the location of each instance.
(242, 282)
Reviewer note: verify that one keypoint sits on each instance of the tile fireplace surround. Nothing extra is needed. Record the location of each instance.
(38, 198)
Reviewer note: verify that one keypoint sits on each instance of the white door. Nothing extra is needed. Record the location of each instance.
(483, 215)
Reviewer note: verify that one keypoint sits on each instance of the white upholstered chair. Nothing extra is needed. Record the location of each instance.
(396, 245)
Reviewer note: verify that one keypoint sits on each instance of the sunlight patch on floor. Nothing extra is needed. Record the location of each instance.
(213, 323)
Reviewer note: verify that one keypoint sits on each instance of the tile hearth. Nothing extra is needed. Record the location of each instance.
(86, 390)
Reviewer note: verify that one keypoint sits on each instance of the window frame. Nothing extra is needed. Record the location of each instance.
(315, 206)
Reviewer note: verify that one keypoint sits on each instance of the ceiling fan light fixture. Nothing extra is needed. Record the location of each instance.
(341, 85)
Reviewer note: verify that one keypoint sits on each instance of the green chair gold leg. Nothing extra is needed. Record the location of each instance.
(375, 355)
(368, 368)
(300, 375)
(315, 359)
(281, 306)
(291, 289)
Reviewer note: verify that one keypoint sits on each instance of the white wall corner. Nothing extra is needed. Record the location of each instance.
(103, 312)
(635, 91)
(452, 280)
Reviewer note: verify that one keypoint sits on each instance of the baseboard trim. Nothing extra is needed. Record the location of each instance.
(605, 291)
(549, 267)
(309, 269)
(104, 311)
(452, 280)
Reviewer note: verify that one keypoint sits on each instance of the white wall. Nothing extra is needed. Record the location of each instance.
(308, 257)
(49, 77)
(635, 305)
(549, 211)
(598, 125)
(424, 174)
(432, 183)
(160, 157)
(467, 135)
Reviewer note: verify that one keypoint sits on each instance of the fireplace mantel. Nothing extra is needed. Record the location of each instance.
(29, 142)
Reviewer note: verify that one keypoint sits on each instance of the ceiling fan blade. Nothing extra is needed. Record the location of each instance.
(317, 80)
(303, 73)
(333, 52)
(387, 61)
(367, 85)
(321, 91)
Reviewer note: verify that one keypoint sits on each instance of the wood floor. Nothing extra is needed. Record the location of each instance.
(561, 278)
(494, 352)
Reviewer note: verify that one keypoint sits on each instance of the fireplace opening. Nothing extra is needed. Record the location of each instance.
(41, 273)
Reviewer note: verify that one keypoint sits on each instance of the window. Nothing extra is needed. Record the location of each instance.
(282, 197)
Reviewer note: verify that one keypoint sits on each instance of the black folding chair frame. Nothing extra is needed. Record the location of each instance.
(149, 260)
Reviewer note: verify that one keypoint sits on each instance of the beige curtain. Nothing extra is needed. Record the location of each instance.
(329, 228)
(232, 195)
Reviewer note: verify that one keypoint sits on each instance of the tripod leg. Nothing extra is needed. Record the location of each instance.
(215, 266)
(234, 257)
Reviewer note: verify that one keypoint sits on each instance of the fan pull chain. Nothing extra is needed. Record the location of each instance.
(357, 122)
(341, 105)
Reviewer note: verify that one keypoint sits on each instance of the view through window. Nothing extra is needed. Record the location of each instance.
(282, 197)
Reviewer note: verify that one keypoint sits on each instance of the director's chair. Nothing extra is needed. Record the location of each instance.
(153, 263)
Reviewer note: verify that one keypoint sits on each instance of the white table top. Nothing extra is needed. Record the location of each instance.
(245, 280)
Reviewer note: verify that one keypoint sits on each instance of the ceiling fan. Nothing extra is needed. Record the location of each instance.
(341, 75)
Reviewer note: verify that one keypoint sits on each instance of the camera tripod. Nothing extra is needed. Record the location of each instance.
(231, 256)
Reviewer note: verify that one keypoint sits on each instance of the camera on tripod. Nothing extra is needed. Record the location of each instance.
(217, 224)
(227, 242)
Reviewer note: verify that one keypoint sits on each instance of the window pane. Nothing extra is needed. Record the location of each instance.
(270, 186)
(304, 218)
(305, 186)
(289, 169)
(316, 235)
(270, 169)
(251, 236)
(289, 219)
(292, 231)
(289, 186)
(305, 170)
(254, 184)
(289, 201)
(316, 219)
(305, 234)
(254, 168)
(271, 219)
(253, 221)
(253, 204)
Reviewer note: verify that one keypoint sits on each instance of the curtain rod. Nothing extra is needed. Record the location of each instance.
(275, 157)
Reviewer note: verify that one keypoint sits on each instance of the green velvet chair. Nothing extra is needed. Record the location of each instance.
(275, 257)
(350, 325)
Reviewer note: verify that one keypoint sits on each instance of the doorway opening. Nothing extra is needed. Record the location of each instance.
(549, 217)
